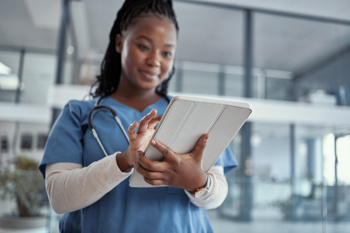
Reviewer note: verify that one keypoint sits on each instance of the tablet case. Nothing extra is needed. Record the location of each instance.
(186, 119)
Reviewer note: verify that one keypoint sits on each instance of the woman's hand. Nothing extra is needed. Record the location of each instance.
(138, 139)
(177, 170)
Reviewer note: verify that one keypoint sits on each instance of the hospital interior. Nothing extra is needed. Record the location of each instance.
(289, 60)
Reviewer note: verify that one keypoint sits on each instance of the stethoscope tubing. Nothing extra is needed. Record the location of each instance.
(116, 118)
(98, 107)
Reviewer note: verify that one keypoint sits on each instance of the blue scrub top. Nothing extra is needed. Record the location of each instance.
(123, 209)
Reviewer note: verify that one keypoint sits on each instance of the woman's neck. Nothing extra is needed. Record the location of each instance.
(138, 99)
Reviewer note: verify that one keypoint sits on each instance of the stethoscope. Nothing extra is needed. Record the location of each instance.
(115, 116)
(99, 107)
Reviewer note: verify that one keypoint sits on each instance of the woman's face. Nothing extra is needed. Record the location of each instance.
(147, 49)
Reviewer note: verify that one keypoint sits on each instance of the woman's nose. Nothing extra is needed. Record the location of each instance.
(153, 59)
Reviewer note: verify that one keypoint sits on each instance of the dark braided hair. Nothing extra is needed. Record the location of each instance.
(107, 82)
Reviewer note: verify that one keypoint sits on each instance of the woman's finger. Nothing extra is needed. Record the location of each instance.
(145, 121)
(153, 175)
(165, 150)
(152, 124)
(131, 130)
(156, 182)
(148, 164)
(200, 146)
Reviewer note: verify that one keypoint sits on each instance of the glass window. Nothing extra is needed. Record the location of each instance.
(26, 141)
(70, 74)
(200, 78)
(278, 88)
(9, 80)
(200, 35)
(4, 144)
(42, 138)
(233, 81)
(271, 170)
(314, 52)
(343, 149)
(38, 75)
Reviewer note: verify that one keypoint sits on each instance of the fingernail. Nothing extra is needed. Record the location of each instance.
(153, 142)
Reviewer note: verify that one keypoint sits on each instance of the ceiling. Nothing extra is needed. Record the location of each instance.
(336, 9)
(207, 34)
(29, 23)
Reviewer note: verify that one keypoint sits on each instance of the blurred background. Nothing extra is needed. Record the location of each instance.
(289, 59)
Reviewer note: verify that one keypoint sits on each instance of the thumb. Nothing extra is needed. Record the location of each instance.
(199, 149)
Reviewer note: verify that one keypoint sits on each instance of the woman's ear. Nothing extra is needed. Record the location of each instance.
(118, 43)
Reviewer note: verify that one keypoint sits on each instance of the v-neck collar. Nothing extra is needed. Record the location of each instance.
(113, 102)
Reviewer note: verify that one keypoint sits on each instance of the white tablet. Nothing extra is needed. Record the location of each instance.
(186, 119)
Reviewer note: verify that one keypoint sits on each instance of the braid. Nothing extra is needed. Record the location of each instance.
(108, 80)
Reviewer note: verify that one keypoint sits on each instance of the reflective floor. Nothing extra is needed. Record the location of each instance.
(265, 220)
(37, 230)
(267, 224)
(221, 225)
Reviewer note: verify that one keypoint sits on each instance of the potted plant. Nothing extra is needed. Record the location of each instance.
(22, 183)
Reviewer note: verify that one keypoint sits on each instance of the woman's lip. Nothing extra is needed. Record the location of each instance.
(148, 74)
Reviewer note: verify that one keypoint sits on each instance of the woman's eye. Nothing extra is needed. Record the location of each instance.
(167, 54)
(143, 47)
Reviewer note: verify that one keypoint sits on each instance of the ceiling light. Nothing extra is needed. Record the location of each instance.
(70, 50)
(4, 69)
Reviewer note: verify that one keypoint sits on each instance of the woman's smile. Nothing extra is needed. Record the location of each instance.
(148, 75)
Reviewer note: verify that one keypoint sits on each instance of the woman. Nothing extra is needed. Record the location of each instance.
(92, 189)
